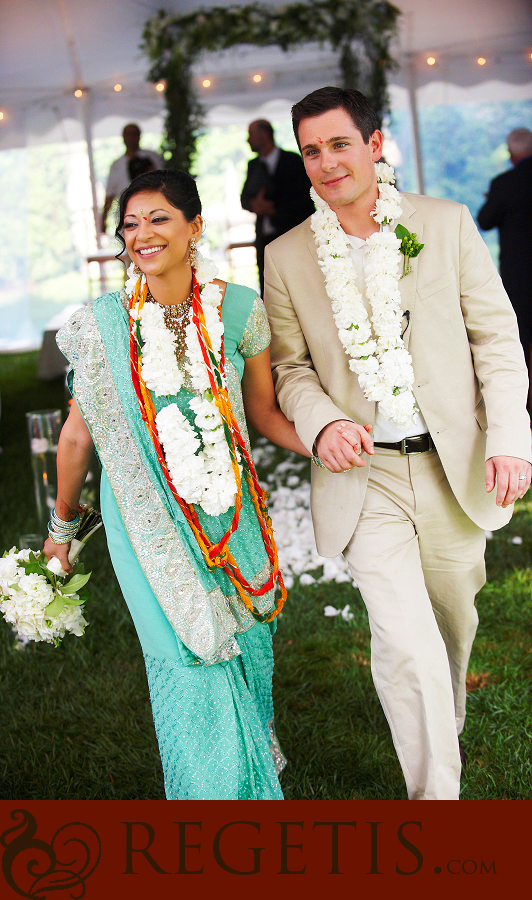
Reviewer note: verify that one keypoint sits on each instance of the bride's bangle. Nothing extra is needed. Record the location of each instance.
(61, 532)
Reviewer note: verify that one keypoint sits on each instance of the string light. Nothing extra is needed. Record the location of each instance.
(160, 86)
(481, 61)
(78, 93)
(206, 82)
(1, 115)
(431, 60)
(118, 87)
(257, 78)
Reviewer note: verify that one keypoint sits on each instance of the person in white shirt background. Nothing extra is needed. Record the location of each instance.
(119, 176)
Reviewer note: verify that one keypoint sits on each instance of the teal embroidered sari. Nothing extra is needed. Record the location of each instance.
(209, 663)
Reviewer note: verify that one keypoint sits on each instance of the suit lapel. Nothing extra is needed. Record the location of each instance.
(311, 244)
(408, 284)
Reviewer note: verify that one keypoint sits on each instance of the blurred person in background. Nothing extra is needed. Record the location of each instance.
(119, 174)
(508, 207)
(276, 189)
(139, 165)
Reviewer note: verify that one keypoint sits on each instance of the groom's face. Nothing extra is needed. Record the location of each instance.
(337, 161)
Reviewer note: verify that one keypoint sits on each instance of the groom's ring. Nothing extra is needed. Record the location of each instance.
(522, 478)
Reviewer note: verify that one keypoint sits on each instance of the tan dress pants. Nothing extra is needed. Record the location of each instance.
(418, 561)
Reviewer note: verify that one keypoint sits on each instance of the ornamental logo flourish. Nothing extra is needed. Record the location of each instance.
(35, 869)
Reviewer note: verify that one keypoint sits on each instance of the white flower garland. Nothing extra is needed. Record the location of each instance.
(200, 469)
(378, 354)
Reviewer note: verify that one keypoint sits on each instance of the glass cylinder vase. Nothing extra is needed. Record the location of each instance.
(44, 427)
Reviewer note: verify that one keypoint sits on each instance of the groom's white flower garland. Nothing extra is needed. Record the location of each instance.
(378, 355)
(200, 469)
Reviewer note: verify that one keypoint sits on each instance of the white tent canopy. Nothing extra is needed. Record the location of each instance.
(50, 48)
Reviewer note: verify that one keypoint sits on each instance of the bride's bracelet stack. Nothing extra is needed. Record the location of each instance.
(61, 532)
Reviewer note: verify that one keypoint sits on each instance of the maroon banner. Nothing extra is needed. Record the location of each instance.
(151, 849)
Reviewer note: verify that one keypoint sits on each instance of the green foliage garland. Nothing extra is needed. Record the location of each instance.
(360, 30)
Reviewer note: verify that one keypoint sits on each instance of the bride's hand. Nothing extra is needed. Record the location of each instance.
(341, 443)
(60, 551)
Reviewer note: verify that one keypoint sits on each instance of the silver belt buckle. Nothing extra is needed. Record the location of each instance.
(403, 446)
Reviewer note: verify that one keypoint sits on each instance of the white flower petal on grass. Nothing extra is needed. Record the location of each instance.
(517, 540)
(306, 579)
(331, 611)
(292, 524)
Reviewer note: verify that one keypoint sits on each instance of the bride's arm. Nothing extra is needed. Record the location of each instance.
(73, 458)
(261, 407)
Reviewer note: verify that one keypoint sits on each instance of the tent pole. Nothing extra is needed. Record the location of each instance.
(412, 98)
(87, 125)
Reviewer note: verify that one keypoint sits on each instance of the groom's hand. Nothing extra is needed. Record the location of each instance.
(507, 472)
(341, 443)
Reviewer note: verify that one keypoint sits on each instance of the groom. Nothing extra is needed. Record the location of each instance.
(412, 470)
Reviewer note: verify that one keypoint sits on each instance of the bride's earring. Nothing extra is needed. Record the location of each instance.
(192, 252)
(137, 271)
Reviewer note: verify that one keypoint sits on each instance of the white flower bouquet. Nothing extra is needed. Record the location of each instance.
(38, 598)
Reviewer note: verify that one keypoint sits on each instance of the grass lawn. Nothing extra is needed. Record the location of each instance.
(76, 721)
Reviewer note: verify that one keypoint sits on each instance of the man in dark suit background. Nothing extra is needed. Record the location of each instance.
(508, 207)
(276, 189)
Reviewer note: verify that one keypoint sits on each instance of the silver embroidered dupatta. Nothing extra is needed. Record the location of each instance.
(203, 608)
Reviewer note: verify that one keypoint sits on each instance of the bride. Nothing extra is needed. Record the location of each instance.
(161, 375)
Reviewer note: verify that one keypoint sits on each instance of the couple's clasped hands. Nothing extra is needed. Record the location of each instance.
(341, 443)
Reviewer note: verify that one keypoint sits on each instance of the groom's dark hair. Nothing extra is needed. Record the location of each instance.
(324, 99)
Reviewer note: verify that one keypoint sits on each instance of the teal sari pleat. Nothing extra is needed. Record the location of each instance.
(214, 742)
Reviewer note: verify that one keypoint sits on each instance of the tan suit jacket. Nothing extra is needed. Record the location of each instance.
(470, 377)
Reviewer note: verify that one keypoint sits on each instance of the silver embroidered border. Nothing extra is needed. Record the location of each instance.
(279, 759)
(206, 622)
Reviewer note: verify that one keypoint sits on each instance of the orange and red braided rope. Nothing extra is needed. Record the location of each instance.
(216, 555)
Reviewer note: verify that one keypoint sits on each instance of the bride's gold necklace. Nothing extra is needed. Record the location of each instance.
(176, 319)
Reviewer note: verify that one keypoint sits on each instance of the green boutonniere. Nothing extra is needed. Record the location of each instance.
(410, 248)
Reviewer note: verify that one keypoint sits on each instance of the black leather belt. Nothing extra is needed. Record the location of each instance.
(418, 443)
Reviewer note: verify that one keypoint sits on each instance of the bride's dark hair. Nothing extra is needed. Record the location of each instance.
(177, 187)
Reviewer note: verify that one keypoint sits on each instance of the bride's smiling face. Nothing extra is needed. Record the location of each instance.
(157, 235)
